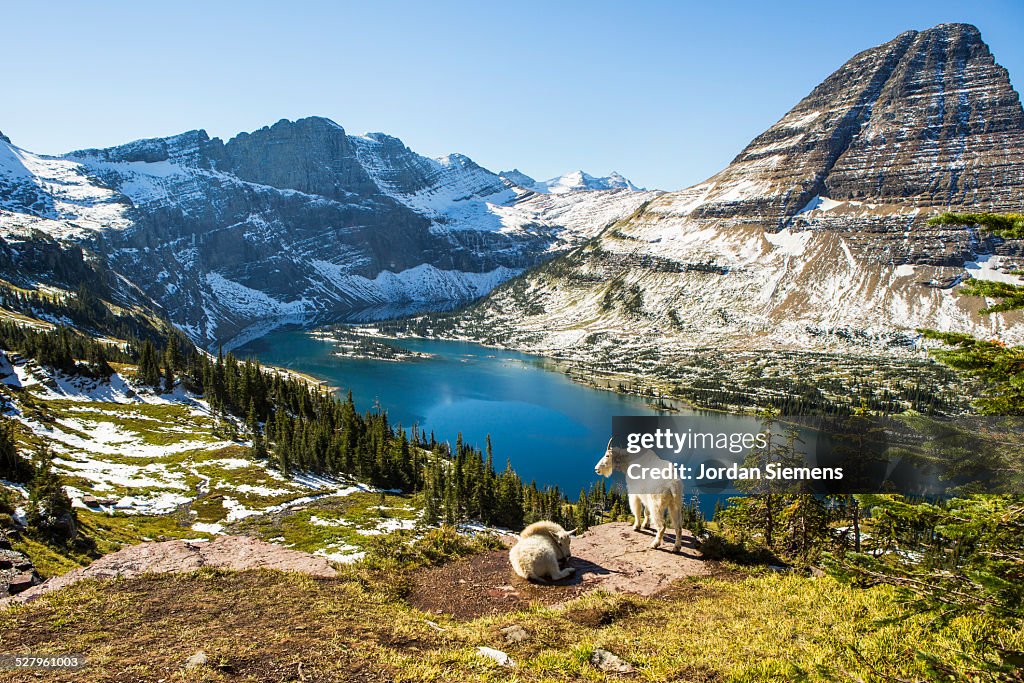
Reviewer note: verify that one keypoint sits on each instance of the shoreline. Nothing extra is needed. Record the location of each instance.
(730, 397)
(568, 368)
(651, 388)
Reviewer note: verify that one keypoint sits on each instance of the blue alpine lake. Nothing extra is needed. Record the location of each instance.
(552, 429)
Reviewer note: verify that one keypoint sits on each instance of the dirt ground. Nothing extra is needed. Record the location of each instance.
(610, 556)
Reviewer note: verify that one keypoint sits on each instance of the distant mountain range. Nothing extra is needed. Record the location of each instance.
(574, 181)
(297, 221)
(816, 235)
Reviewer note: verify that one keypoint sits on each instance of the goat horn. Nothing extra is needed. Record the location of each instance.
(573, 531)
(610, 442)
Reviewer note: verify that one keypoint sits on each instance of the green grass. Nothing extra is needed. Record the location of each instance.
(108, 533)
(261, 625)
(50, 560)
(158, 425)
(225, 481)
(209, 508)
(354, 512)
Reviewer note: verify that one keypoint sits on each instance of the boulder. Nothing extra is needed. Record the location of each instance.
(21, 582)
(17, 573)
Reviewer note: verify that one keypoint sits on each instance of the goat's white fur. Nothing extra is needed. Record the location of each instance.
(664, 494)
(636, 506)
(539, 550)
(555, 532)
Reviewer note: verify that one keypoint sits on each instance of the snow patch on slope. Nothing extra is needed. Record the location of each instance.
(252, 302)
(789, 242)
(57, 195)
(819, 203)
(991, 267)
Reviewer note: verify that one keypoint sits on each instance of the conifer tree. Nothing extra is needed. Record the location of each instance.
(13, 467)
(49, 508)
(149, 367)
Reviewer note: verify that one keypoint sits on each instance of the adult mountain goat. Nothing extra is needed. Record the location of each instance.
(656, 495)
(538, 554)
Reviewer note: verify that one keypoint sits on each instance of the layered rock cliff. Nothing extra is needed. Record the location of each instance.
(816, 235)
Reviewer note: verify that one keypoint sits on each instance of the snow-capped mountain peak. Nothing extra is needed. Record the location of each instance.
(293, 220)
(518, 179)
(580, 181)
(573, 181)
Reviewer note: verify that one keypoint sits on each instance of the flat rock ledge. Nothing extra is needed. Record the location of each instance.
(611, 557)
(223, 552)
(619, 560)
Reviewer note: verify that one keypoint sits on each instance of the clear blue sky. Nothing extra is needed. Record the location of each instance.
(664, 92)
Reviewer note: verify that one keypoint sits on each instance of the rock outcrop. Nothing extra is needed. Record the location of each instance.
(816, 235)
(17, 573)
(223, 552)
(925, 120)
(610, 557)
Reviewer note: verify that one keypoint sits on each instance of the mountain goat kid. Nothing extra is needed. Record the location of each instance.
(541, 548)
(556, 533)
(658, 496)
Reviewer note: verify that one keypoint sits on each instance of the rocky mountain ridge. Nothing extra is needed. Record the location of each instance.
(573, 181)
(295, 221)
(816, 235)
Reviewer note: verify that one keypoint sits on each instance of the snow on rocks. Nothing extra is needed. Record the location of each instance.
(992, 268)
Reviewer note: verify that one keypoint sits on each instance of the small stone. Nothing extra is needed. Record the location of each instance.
(496, 655)
(20, 582)
(515, 633)
(197, 660)
(606, 661)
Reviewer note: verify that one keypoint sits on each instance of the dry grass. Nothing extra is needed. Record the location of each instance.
(262, 626)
